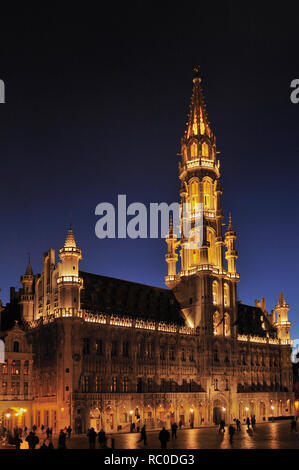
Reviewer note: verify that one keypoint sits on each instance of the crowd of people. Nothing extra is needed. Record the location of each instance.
(43, 438)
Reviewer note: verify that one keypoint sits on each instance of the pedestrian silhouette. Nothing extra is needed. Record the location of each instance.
(143, 436)
(102, 439)
(92, 438)
(231, 432)
(174, 428)
(164, 437)
(221, 427)
(61, 440)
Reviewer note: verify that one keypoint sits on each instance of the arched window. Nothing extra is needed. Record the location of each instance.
(215, 292)
(212, 247)
(208, 192)
(16, 347)
(194, 195)
(202, 126)
(226, 299)
(193, 150)
(194, 127)
(226, 324)
(205, 150)
(217, 324)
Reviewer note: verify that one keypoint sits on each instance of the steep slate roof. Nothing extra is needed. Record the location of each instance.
(126, 298)
(250, 319)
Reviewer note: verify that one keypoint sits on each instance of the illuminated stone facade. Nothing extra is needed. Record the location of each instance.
(108, 352)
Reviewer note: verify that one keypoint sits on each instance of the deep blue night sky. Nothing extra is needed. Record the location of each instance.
(97, 102)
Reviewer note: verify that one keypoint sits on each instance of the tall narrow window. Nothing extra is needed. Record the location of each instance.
(226, 295)
(226, 324)
(205, 150)
(16, 346)
(193, 150)
(215, 292)
(125, 384)
(217, 324)
(113, 384)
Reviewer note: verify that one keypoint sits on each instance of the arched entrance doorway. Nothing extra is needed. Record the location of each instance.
(219, 411)
(95, 419)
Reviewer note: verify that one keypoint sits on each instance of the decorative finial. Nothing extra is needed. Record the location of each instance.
(230, 218)
(196, 75)
(170, 221)
(28, 254)
(71, 220)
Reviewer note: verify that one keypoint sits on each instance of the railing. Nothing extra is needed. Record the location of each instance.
(111, 319)
(260, 339)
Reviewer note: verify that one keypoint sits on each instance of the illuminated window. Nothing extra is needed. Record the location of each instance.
(201, 123)
(86, 384)
(15, 368)
(226, 324)
(194, 150)
(212, 247)
(205, 150)
(208, 195)
(202, 127)
(4, 388)
(194, 127)
(15, 388)
(125, 384)
(113, 384)
(215, 292)
(5, 368)
(217, 324)
(226, 295)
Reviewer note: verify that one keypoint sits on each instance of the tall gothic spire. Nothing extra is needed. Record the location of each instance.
(70, 239)
(198, 123)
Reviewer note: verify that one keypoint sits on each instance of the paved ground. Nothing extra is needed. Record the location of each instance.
(266, 436)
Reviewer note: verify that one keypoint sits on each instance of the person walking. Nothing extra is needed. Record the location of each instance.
(18, 442)
(69, 432)
(180, 424)
(253, 422)
(32, 440)
(143, 436)
(61, 440)
(231, 432)
(221, 427)
(248, 422)
(102, 439)
(164, 437)
(92, 438)
(238, 425)
(174, 428)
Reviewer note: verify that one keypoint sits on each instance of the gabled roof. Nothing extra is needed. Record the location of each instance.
(126, 298)
(250, 319)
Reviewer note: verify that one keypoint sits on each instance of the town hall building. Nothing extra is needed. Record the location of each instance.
(86, 350)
